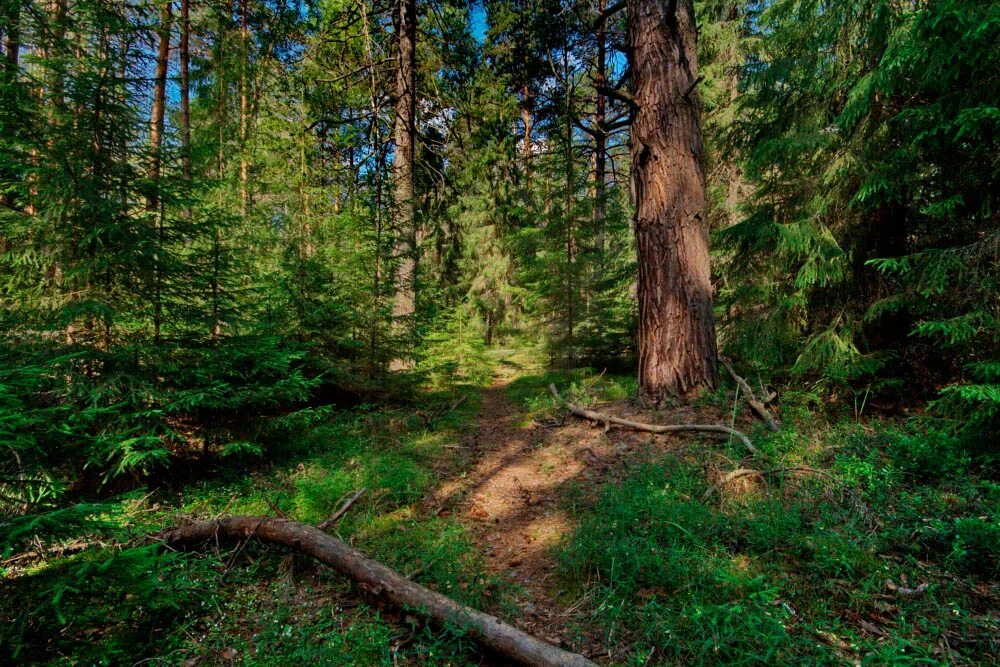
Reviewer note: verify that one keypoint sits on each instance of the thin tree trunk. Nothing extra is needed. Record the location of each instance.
(601, 137)
(404, 304)
(12, 55)
(156, 126)
(244, 111)
(185, 84)
(677, 349)
(12, 41)
(526, 104)
(570, 238)
(216, 286)
(159, 104)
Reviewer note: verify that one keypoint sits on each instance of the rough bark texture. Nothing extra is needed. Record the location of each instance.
(379, 580)
(405, 130)
(677, 353)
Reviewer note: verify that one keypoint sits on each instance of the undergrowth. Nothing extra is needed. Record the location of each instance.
(122, 601)
(869, 543)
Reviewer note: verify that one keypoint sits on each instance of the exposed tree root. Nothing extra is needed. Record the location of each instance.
(381, 581)
(600, 417)
(757, 406)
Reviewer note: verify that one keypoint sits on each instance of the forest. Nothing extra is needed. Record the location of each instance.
(489, 332)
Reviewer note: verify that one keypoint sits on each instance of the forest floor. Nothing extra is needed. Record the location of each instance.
(518, 482)
(846, 540)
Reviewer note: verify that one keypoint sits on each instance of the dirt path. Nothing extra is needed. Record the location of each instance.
(509, 496)
(512, 494)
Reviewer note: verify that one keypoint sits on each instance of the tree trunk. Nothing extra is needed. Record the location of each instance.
(404, 131)
(155, 159)
(244, 111)
(220, 169)
(570, 235)
(378, 580)
(159, 104)
(526, 104)
(601, 137)
(12, 56)
(185, 84)
(12, 41)
(677, 352)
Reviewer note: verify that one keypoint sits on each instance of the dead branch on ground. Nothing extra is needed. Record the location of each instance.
(757, 406)
(600, 417)
(380, 581)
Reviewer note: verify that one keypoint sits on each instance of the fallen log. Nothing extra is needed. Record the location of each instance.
(651, 428)
(381, 581)
(757, 406)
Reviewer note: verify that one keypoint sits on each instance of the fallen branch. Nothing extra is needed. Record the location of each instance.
(381, 581)
(342, 510)
(757, 406)
(600, 417)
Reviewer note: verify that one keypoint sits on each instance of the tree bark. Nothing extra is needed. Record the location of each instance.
(381, 581)
(404, 131)
(527, 101)
(601, 136)
(244, 111)
(155, 158)
(159, 104)
(12, 56)
(12, 41)
(184, 55)
(677, 350)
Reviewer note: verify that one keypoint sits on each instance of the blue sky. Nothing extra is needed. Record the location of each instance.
(478, 21)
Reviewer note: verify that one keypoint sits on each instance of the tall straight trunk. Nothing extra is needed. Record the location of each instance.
(526, 104)
(570, 237)
(159, 104)
(404, 134)
(244, 110)
(12, 56)
(220, 170)
(677, 349)
(12, 41)
(153, 203)
(601, 137)
(184, 55)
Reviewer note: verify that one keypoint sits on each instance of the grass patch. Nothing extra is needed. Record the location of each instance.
(805, 573)
(253, 604)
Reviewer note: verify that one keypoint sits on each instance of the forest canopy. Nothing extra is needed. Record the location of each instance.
(258, 256)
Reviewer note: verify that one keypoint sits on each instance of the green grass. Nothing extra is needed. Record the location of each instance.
(792, 573)
(255, 604)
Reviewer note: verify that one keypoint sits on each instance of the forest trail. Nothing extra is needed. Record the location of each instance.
(511, 496)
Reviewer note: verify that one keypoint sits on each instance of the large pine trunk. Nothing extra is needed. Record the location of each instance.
(404, 131)
(677, 352)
